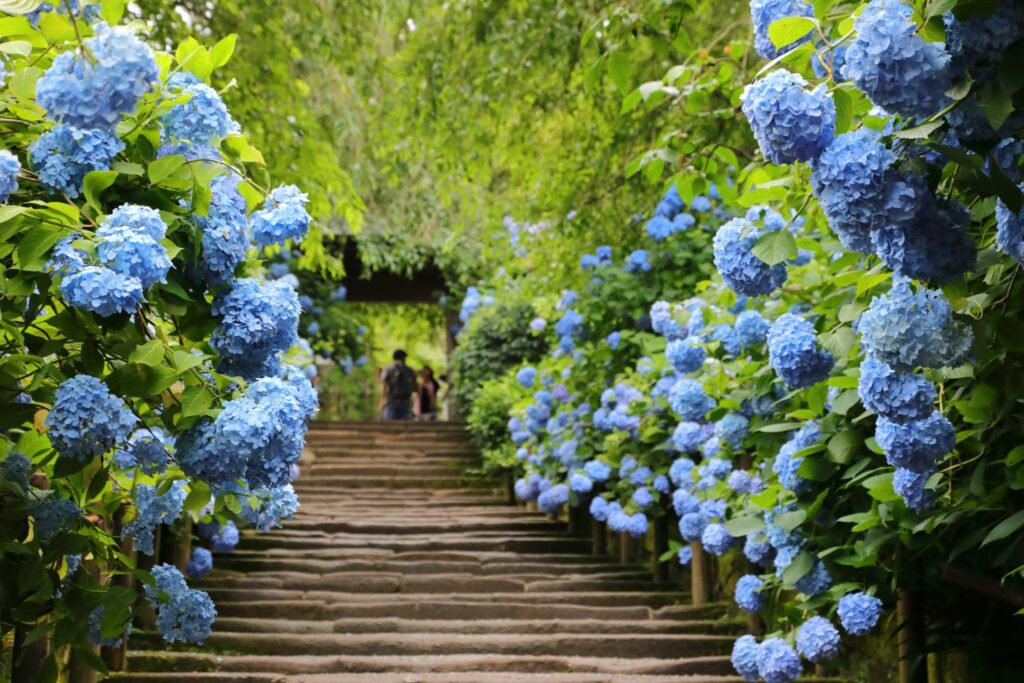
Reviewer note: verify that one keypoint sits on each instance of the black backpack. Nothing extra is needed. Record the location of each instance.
(401, 383)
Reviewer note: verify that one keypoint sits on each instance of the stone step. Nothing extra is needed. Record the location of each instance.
(236, 563)
(403, 677)
(435, 664)
(452, 608)
(625, 646)
(382, 524)
(334, 484)
(379, 582)
(398, 543)
(486, 558)
(479, 626)
(357, 600)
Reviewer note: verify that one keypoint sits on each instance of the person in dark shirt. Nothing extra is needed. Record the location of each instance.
(398, 389)
(428, 389)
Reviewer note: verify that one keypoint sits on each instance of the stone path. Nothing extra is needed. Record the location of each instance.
(400, 569)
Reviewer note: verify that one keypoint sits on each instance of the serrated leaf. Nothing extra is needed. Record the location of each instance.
(112, 11)
(195, 401)
(1005, 528)
(798, 568)
(620, 69)
(920, 131)
(775, 247)
(221, 53)
(151, 353)
(844, 110)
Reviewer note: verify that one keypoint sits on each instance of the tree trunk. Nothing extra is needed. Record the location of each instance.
(659, 567)
(909, 611)
(599, 538)
(700, 576)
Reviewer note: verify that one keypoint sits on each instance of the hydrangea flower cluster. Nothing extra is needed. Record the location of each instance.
(225, 538)
(282, 217)
(275, 504)
(669, 217)
(685, 355)
(790, 122)
(906, 329)
(741, 270)
(893, 65)
(86, 420)
(10, 167)
(63, 156)
(689, 400)
(183, 614)
(152, 510)
(201, 119)
(224, 231)
(149, 449)
(54, 514)
(526, 377)
(764, 13)
(199, 564)
(859, 613)
(896, 396)
(97, 91)
(257, 322)
(818, 640)
(748, 593)
(794, 353)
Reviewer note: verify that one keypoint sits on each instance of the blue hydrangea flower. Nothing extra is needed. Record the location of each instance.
(893, 65)
(744, 657)
(818, 640)
(199, 564)
(899, 397)
(149, 449)
(599, 509)
(554, 498)
(764, 13)
(132, 253)
(684, 502)
(829, 61)
(687, 438)
(777, 661)
(910, 486)
(580, 483)
(152, 510)
(681, 471)
(202, 119)
(726, 335)
(637, 262)
(984, 38)
(283, 217)
(225, 538)
(685, 355)
(790, 121)
(614, 339)
(53, 515)
(685, 555)
(96, 92)
(689, 401)
(859, 612)
(732, 429)
(786, 465)
(748, 593)
(860, 189)
(10, 167)
(190, 150)
(643, 497)
(906, 329)
(636, 525)
(102, 291)
(1010, 231)
(597, 470)
(661, 484)
(661, 228)
(257, 321)
(17, 468)
(932, 245)
(63, 156)
(742, 481)
(538, 324)
(86, 420)
(752, 329)
(569, 325)
(526, 377)
(741, 270)
(225, 238)
(759, 552)
(275, 504)
(816, 581)
(183, 614)
(138, 218)
(915, 445)
(794, 353)
(691, 526)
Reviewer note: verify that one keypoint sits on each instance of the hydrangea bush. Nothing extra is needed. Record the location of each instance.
(830, 402)
(141, 330)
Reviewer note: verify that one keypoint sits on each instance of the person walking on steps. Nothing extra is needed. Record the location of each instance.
(398, 389)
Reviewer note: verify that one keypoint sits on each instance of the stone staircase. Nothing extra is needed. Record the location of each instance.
(400, 568)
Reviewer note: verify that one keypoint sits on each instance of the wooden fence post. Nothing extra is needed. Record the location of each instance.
(910, 637)
(599, 538)
(627, 549)
(701, 589)
(116, 657)
(659, 567)
(27, 660)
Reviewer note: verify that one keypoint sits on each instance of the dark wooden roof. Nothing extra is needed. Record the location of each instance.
(424, 286)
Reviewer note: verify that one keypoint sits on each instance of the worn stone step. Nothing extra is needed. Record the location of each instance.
(524, 544)
(405, 677)
(235, 563)
(478, 626)
(327, 664)
(355, 599)
(646, 645)
(329, 484)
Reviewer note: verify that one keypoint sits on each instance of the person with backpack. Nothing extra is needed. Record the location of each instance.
(398, 389)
